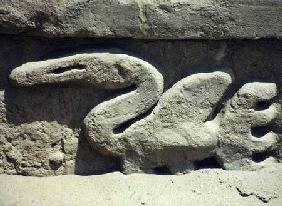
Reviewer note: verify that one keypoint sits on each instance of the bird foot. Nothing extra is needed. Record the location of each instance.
(244, 124)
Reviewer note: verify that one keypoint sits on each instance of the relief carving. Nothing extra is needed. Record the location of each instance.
(180, 129)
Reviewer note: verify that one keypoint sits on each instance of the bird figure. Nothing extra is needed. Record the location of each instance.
(175, 130)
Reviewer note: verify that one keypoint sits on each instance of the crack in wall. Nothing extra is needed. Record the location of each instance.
(142, 17)
(263, 198)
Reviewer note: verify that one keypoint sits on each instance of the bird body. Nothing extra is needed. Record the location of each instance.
(177, 133)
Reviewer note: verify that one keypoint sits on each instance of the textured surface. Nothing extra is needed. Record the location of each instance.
(215, 187)
(145, 19)
(177, 132)
(100, 86)
(41, 127)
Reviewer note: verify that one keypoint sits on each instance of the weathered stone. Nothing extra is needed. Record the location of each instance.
(143, 19)
(176, 133)
(150, 86)
(180, 134)
(218, 187)
(238, 142)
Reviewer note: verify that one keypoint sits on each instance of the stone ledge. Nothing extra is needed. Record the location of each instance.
(203, 187)
(143, 19)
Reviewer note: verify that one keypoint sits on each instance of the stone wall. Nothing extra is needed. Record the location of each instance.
(70, 112)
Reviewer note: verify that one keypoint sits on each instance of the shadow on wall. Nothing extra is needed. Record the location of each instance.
(68, 105)
(89, 162)
(65, 105)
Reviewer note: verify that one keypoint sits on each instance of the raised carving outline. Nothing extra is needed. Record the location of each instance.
(176, 133)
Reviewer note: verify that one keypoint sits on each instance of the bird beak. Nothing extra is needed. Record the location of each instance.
(48, 72)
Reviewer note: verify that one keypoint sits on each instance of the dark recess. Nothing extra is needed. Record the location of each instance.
(210, 162)
(262, 105)
(162, 170)
(259, 132)
(68, 68)
(261, 156)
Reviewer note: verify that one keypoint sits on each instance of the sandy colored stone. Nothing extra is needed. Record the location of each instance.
(40, 120)
(212, 187)
(178, 131)
(143, 19)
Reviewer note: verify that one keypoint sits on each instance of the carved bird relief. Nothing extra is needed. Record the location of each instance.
(178, 132)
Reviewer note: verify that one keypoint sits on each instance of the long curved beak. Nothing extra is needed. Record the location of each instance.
(101, 70)
(47, 72)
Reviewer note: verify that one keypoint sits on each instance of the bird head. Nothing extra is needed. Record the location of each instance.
(102, 70)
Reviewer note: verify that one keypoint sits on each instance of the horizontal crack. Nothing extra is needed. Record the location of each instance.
(264, 199)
